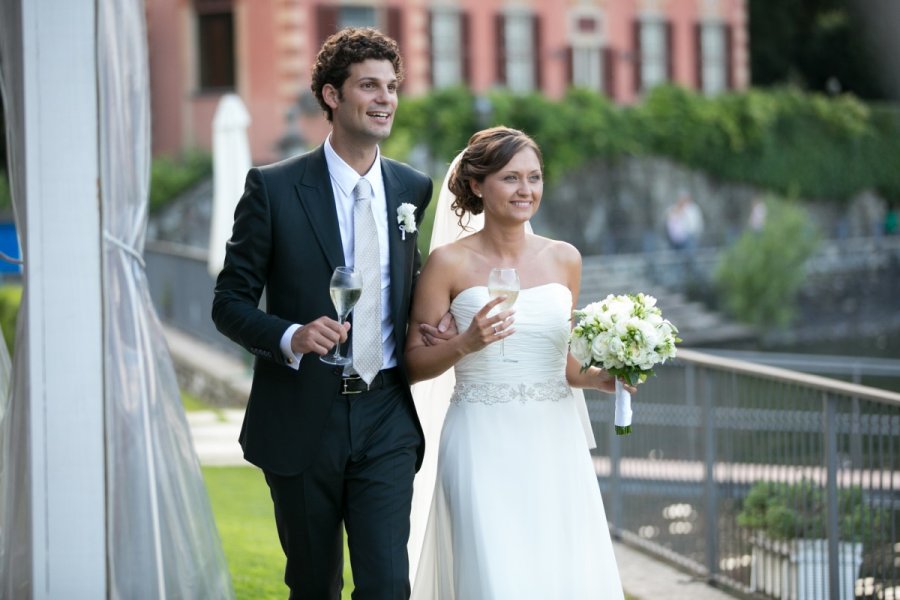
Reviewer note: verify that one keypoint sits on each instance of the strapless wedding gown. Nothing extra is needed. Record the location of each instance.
(516, 512)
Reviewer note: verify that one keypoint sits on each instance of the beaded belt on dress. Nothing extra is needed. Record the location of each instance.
(499, 393)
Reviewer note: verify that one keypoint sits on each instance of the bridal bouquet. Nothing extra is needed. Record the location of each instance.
(627, 336)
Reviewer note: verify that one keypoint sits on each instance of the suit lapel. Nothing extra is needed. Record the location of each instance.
(317, 199)
(395, 193)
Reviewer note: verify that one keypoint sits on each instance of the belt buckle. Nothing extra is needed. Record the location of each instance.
(345, 391)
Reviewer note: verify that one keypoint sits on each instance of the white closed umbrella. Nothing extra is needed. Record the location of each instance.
(231, 161)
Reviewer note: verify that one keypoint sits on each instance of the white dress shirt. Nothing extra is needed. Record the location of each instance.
(343, 180)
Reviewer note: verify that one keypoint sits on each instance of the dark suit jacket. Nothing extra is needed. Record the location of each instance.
(286, 240)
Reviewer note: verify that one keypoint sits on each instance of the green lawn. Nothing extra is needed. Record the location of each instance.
(193, 403)
(243, 512)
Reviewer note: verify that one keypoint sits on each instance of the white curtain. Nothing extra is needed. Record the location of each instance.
(161, 538)
(15, 478)
(162, 541)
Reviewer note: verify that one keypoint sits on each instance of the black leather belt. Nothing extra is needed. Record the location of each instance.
(355, 385)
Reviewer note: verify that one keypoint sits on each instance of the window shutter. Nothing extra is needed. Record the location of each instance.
(430, 34)
(537, 54)
(215, 45)
(500, 54)
(326, 21)
(698, 56)
(636, 56)
(670, 51)
(570, 66)
(729, 57)
(609, 73)
(395, 25)
(465, 52)
(213, 6)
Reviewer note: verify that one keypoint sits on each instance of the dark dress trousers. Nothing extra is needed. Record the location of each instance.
(329, 459)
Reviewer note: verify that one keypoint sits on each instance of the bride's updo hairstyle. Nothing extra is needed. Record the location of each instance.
(488, 151)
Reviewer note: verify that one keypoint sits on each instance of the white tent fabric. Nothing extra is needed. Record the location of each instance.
(15, 478)
(231, 161)
(161, 538)
(162, 541)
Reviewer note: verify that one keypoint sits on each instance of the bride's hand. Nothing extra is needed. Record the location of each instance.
(607, 383)
(486, 329)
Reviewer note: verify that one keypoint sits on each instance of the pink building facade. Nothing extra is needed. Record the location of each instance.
(263, 50)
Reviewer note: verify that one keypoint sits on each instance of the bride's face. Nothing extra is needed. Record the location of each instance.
(515, 190)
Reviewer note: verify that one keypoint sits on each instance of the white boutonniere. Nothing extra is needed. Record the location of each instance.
(406, 217)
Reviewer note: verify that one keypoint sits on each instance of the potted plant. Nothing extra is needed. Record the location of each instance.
(790, 552)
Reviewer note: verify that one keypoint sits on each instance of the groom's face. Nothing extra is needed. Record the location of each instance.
(363, 108)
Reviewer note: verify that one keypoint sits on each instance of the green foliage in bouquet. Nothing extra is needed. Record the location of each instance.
(784, 511)
(760, 275)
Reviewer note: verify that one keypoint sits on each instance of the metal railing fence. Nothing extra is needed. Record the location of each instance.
(769, 482)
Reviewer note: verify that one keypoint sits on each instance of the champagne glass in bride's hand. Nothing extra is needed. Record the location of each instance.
(345, 289)
(504, 282)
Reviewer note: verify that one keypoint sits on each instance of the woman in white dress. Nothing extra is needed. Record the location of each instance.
(516, 511)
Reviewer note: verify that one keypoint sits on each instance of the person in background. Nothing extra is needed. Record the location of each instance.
(757, 219)
(890, 220)
(684, 223)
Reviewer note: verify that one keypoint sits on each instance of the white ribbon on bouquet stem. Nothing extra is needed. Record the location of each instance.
(623, 409)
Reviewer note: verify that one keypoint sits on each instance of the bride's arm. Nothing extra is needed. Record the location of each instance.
(431, 301)
(592, 377)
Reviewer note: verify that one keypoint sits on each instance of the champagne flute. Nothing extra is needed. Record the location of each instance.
(504, 282)
(345, 290)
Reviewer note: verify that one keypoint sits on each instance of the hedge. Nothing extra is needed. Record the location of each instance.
(785, 140)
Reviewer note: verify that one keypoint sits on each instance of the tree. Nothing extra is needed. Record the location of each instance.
(817, 45)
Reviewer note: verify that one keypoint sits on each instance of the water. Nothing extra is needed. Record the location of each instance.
(885, 344)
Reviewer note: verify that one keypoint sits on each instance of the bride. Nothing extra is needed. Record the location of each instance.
(516, 510)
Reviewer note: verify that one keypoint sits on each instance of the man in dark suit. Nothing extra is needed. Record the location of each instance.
(338, 449)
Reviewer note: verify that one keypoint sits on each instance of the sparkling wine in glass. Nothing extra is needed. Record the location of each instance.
(504, 282)
(345, 290)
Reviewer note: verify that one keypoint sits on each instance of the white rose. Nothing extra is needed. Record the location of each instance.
(580, 349)
(616, 349)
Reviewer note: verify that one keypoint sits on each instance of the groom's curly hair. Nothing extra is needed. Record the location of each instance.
(346, 47)
(488, 151)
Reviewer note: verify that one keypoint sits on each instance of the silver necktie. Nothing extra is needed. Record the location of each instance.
(367, 349)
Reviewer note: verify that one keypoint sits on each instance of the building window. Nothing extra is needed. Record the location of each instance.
(331, 18)
(520, 46)
(215, 52)
(713, 56)
(447, 48)
(586, 38)
(587, 68)
(357, 16)
(654, 53)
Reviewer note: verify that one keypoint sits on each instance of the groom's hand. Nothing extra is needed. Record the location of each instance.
(445, 330)
(319, 336)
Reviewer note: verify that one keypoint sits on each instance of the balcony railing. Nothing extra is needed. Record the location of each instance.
(708, 430)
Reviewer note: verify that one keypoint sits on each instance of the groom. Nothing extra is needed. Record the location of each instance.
(339, 446)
